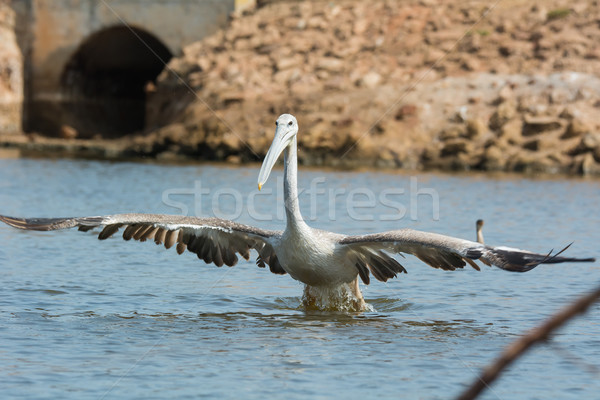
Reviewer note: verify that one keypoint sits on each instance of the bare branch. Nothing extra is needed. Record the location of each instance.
(521, 345)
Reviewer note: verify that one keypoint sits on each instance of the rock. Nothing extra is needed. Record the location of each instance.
(544, 164)
(569, 112)
(597, 154)
(561, 160)
(587, 165)
(68, 132)
(371, 80)
(515, 48)
(588, 143)
(334, 83)
(576, 127)
(591, 141)
(504, 112)
(360, 26)
(494, 159)
(330, 64)
(534, 125)
(175, 133)
(168, 156)
(558, 96)
(471, 43)
(475, 128)
(470, 63)
(532, 144)
(505, 94)
(542, 142)
(233, 159)
(288, 62)
(406, 111)
(455, 147)
(233, 96)
(434, 55)
(528, 161)
(452, 132)
(529, 103)
(460, 115)
(430, 154)
(282, 78)
(512, 131)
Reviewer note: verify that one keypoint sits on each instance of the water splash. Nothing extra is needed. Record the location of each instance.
(343, 298)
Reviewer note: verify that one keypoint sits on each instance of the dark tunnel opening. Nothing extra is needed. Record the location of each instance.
(104, 85)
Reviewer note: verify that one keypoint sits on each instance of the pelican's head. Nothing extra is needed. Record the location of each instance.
(479, 224)
(285, 132)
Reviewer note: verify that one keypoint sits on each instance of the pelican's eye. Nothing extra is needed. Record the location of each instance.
(276, 123)
(290, 123)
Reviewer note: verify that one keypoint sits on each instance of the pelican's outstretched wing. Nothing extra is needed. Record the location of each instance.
(214, 240)
(438, 251)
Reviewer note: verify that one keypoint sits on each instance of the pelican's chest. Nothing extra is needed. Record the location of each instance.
(308, 256)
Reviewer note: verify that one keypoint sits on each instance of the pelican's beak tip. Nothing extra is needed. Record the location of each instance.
(259, 186)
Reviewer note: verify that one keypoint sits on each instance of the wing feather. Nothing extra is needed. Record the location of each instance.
(170, 238)
(141, 232)
(446, 252)
(211, 239)
(108, 231)
(128, 232)
(180, 247)
(363, 271)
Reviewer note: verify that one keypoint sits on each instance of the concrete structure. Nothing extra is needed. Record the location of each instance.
(88, 63)
(11, 74)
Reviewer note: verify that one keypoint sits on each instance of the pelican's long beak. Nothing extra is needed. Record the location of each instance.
(280, 142)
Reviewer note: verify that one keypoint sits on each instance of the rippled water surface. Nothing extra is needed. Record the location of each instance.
(83, 319)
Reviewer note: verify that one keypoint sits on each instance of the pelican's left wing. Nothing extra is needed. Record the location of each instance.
(438, 251)
(214, 240)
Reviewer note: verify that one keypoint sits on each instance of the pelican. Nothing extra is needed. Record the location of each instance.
(328, 264)
(478, 228)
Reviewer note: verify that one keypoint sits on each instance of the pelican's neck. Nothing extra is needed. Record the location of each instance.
(480, 236)
(290, 187)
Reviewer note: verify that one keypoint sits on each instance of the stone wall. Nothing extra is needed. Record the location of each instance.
(412, 84)
(11, 73)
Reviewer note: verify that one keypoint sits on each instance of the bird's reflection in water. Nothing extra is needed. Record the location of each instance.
(392, 319)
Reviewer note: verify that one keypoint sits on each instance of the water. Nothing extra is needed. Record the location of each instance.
(83, 319)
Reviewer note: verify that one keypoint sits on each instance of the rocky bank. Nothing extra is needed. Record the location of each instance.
(421, 84)
(414, 84)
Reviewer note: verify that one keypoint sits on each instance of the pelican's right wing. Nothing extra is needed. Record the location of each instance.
(214, 240)
(438, 251)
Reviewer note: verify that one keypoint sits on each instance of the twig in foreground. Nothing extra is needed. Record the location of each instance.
(521, 345)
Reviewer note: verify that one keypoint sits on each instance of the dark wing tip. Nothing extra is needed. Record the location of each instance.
(272, 261)
(275, 266)
(555, 259)
(363, 271)
(39, 224)
(523, 261)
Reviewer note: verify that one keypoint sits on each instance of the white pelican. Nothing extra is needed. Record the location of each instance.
(329, 264)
